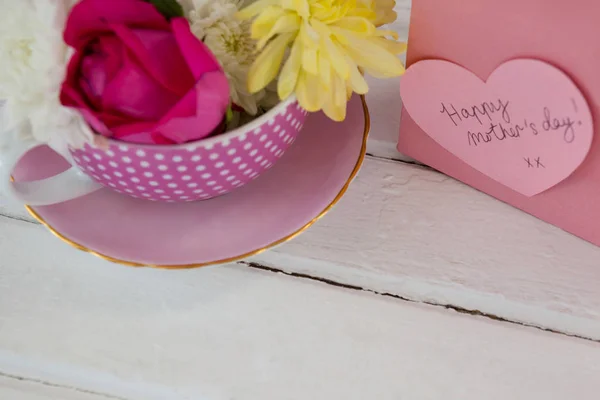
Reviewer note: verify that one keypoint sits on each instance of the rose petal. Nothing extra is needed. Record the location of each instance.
(134, 132)
(199, 58)
(101, 122)
(144, 137)
(160, 139)
(69, 95)
(199, 112)
(112, 120)
(135, 94)
(91, 18)
(158, 53)
(101, 64)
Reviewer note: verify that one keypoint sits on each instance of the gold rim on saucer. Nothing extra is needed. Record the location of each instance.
(337, 198)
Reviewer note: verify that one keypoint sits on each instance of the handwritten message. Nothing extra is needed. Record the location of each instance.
(528, 126)
(499, 125)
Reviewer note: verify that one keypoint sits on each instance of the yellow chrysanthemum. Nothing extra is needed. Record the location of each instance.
(332, 42)
(384, 10)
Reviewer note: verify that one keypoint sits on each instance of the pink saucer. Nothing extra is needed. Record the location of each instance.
(310, 178)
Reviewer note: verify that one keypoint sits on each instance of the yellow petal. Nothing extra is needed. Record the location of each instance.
(382, 11)
(341, 35)
(267, 64)
(357, 81)
(325, 70)
(310, 96)
(331, 49)
(385, 12)
(375, 59)
(335, 112)
(255, 8)
(309, 60)
(363, 13)
(335, 104)
(391, 45)
(288, 77)
(309, 35)
(356, 25)
(337, 58)
(364, 9)
(339, 91)
(301, 7)
(285, 24)
(349, 92)
(386, 32)
(265, 22)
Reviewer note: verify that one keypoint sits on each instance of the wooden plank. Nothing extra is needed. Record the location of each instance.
(414, 233)
(234, 332)
(20, 389)
(417, 234)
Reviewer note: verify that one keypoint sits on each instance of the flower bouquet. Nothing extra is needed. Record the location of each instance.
(172, 100)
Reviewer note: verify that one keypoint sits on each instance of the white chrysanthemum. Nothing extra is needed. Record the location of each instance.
(33, 58)
(214, 22)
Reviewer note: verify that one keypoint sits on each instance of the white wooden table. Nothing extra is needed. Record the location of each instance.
(414, 287)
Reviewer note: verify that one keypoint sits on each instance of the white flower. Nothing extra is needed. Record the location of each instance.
(214, 22)
(33, 58)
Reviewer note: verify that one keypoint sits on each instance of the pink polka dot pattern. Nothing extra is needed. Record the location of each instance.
(199, 170)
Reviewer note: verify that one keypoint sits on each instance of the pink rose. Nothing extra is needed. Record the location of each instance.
(139, 78)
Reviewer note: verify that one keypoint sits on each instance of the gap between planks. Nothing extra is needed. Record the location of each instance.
(57, 386)
(257, 266)
(400, 160)
(470, 311)
(461, 310)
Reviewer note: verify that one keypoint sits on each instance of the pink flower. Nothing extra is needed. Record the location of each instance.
(139, 78)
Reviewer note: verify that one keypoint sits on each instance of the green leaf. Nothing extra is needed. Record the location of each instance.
(168, 8)
(229, 114)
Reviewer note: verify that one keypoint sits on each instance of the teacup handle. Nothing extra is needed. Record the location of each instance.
(65, 186)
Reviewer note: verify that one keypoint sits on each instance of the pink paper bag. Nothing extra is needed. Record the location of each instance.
(467, 60)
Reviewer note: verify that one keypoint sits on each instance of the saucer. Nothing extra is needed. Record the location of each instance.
(303, 186)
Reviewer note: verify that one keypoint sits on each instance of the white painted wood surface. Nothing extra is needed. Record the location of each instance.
(237, 333)
(75, 327)
(412, 232)
(12, 388)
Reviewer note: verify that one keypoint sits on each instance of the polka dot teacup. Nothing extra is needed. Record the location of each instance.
(198, 170)
(171, 173)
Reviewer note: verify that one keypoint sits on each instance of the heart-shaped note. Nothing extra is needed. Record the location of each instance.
(528, 127)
